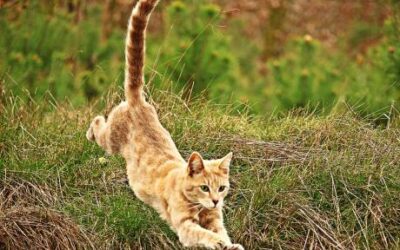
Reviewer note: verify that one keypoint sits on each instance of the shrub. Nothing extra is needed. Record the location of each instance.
(45, 51)
(196, 57)
(309, 75)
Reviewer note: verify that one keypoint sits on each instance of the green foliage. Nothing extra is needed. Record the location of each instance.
(196, 57)
(51, 52)
(300, 78)
(309, 75)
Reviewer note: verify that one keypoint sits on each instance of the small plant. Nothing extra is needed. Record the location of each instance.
(196, 57)
(303, 77)
(44, 51)
(310, 76)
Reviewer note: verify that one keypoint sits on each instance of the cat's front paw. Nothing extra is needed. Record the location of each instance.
(234, 247)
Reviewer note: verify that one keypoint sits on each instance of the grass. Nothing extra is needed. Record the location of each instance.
(299, 182)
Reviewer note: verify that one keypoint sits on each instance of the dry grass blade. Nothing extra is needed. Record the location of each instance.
(320, 228)
(39, 228)
(27, 222)
(18, 192)
(271, 151)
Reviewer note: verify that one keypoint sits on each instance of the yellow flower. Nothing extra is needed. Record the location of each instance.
(36, 58)
(308, 38)
(103, 161)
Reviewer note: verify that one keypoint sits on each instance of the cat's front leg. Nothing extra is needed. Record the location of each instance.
(218, 227)
(192, 234)
(213, 220)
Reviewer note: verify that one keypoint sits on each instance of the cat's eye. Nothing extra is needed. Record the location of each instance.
(221, 189)
(205, 188)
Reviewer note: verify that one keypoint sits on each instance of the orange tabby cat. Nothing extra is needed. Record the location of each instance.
(188, 195)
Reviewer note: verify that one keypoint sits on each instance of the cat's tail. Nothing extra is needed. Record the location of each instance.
(135, 50)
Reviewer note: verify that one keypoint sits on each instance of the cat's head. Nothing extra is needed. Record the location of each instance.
(207, 181)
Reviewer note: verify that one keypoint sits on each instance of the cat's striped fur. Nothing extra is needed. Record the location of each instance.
(187, 194)
(135, 49)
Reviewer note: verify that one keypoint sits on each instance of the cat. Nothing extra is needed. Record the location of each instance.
(187, 194)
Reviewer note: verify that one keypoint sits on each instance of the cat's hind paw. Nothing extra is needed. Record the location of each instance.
(96, 123)
(90, 134)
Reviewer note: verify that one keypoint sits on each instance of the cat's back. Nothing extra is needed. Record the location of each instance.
(149, 136)
(139, 128)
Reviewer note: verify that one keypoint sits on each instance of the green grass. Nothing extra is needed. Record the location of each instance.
(299, 181)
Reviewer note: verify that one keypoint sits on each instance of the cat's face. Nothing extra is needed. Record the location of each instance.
(207, 183)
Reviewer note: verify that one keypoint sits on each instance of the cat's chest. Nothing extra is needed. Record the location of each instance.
(144, 193)
(155, 200)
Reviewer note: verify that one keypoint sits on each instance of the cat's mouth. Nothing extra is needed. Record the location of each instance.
(209, 206)
(202, 206)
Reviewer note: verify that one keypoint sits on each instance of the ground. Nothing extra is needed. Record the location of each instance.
(298, 181)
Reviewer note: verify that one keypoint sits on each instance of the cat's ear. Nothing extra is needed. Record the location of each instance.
(195, 164)
(225, 163)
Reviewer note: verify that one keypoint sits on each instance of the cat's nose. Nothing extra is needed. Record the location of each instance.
(215, 202)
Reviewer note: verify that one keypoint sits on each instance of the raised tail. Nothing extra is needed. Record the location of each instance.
(135, 50)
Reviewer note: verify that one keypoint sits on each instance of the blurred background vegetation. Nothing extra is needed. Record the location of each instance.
(267, 56)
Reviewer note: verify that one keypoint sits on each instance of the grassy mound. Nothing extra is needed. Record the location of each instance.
(27, 220)
(297, 182)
